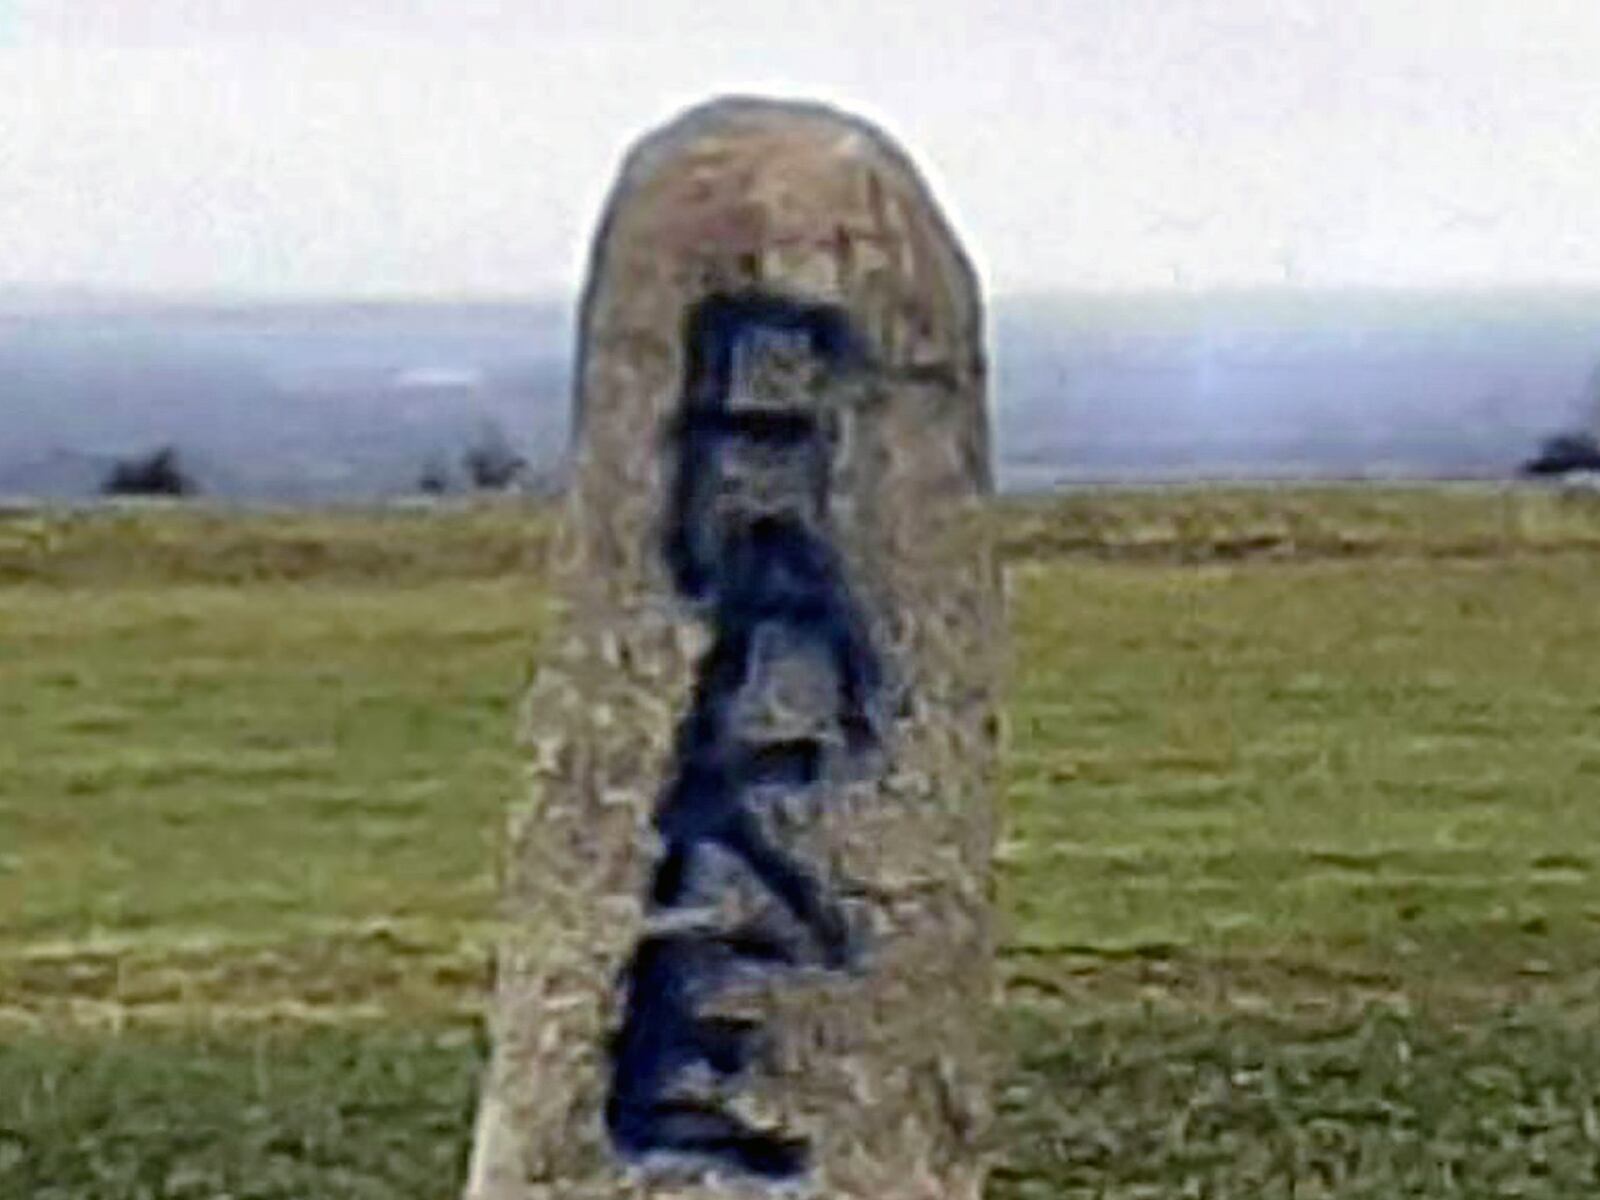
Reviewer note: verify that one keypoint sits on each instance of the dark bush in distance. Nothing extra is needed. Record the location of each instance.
(435, 478)
(159, 473)
(1565, 452)
(491, 462)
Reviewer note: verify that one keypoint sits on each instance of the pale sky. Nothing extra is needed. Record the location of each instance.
(458, 147)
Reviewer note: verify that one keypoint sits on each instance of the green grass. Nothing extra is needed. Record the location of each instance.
(1328, 761)
(206, 784)
(1302, 867)
(358, 1114)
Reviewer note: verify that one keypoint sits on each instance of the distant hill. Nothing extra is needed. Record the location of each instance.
(286, 402)
(346, 401)
(1290, 384)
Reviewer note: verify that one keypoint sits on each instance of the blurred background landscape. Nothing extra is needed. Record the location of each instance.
(326, 401)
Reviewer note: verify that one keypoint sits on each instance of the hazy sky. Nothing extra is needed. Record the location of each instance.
(464, 146)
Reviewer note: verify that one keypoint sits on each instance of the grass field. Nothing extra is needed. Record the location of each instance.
(1302, 871)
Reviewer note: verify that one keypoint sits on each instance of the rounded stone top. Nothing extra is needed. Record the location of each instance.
(746, 191)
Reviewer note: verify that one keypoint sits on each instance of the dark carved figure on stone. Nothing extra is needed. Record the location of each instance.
(747, 541)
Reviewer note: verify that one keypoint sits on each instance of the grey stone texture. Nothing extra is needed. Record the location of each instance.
(885, 1070)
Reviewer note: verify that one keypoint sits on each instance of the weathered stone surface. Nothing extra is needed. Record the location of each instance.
(750, 215)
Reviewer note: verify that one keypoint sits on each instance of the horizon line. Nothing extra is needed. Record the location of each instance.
(91, 294)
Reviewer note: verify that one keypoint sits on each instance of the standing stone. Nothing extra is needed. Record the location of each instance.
(748, 906)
